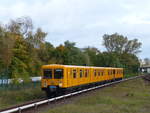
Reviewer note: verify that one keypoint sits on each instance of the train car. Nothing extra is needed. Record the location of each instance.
(57, 79)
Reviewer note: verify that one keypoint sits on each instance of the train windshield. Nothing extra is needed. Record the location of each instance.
(47, 73)
(58, 73)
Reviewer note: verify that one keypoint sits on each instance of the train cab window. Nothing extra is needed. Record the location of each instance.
(58, 73)
(47, 73)
(81, 73)
(74, 73)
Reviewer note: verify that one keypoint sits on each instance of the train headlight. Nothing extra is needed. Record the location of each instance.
(45, 84)
(60, 84)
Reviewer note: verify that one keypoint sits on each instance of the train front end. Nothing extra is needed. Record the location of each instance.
(52, 79)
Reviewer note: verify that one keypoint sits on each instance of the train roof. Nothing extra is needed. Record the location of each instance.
(60, 65)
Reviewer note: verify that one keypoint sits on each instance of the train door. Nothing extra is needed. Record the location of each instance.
(100, 74)
(85, 80)
(75, 77)
(88, 75)
(69, 76)
(92, 75)
(106, 76)
(114, 74)
(79, 76)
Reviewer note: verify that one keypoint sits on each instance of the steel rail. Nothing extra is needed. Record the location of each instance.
(25, 107)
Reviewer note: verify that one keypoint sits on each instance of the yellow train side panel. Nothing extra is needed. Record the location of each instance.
(76, 75)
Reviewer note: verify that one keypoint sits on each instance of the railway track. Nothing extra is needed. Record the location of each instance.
(36, 104)
(147, 77)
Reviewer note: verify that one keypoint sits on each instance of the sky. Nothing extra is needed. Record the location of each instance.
(84, 21)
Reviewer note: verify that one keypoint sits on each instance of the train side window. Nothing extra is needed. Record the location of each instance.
(114, 72)
(81, 72)
(108, 72)
(74, 73)
(86, 73)
(99, 72)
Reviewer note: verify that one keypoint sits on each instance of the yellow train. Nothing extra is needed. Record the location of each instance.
(60, 78)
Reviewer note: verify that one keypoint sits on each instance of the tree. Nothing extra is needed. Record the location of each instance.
(120, 44)
(121, 52)
(107, 59)
(147, 62)
(36, 39)
(69, 54)
(91, 55)
(20, 26)
(20, 59)
(21, 47)
(46, 53)
(74, 55)
(7, 44)
(130, 63)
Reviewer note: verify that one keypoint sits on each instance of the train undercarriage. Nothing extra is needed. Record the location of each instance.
(53, 91)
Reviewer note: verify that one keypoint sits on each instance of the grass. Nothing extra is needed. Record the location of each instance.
(10, 98)
(131, 75)
(129, 97)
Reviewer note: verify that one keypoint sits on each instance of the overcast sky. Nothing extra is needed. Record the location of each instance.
(84, 21)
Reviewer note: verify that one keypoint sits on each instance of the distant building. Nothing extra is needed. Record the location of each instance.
(145, 69)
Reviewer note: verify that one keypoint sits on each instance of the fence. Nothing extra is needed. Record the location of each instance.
(19, 86)
(7, 84)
